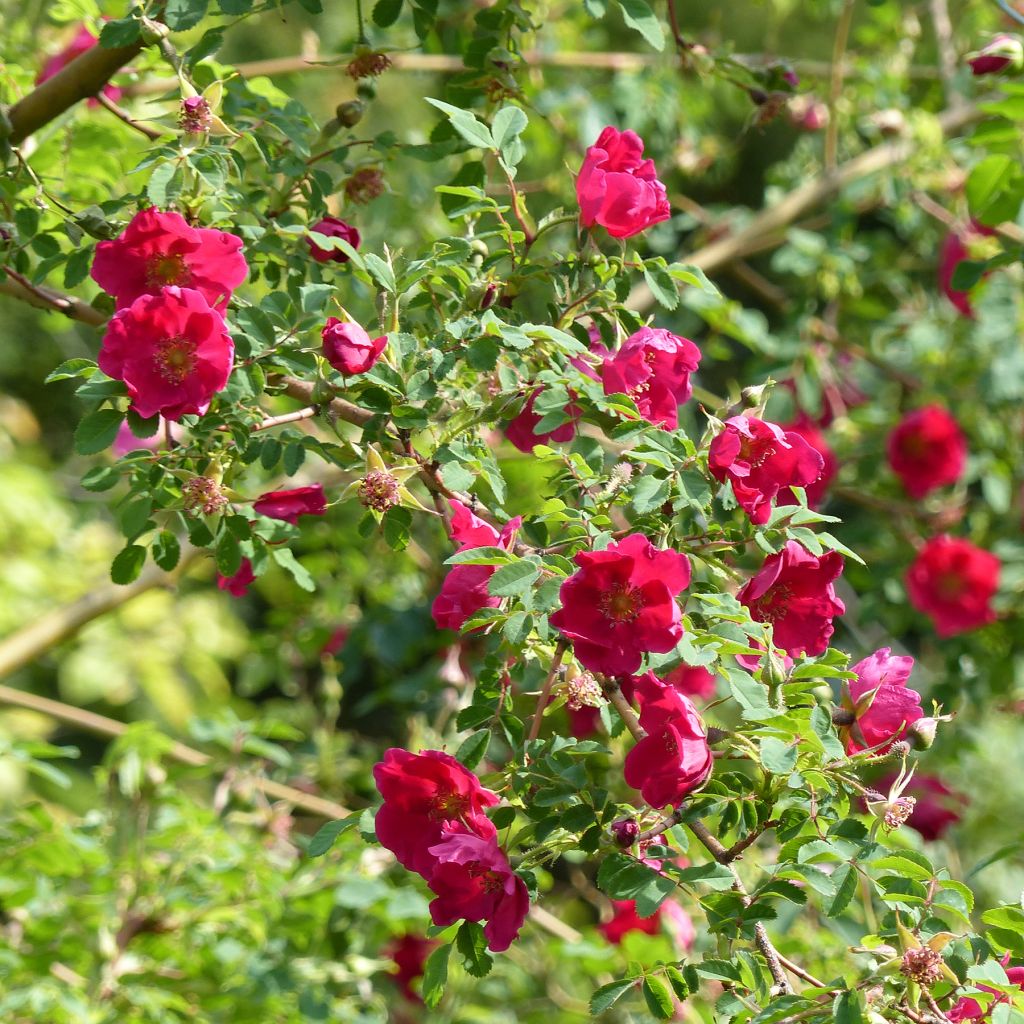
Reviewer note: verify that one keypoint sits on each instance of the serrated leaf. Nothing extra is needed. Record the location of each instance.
(327, 835)
(435, 975)
(286, 559)
(638, 15)
(514, 578)
(650, 492)
(623, 878)
(777, 757)
(386, 12)
(662, 284)
(607, 995)
(658, 998)
(97, 431)
(166, 550)
(164, 185)
(397, 526)
(71, 368)
(845, 878)
(119, 32)
(473, 748)
(846, 1009)
(472, 944)
(475, 132)
(128, 564)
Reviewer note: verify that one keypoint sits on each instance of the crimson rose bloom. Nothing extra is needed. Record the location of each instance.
(970, 1009)
(289, 505)
(674, 758)
(349, 349)
(692, 680)
(927, 450)
(794, 592)
(425, 796)
(238, 585)
(464, 591)
(621, 603)
(816, 491)
(952, 582)
(333, 228)
(83, 40)
(473, 881)
(625, 920)
(884, 717)
(159, 249)
(618, 189)
(521, 430)
(653, 367)
(171, 350)
(937, 808)
(954, 250)
(759, 459)
(409, 953)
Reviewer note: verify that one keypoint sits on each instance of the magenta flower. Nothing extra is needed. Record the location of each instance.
(692, 680)
(674, 758)
(290, 504)
(760, 459)
(160, 249)
(521, 430)
(817, 490)
(238, 584)
(653, 367)
(171, 350)
(425, 796)
(883, 705)
(617, 188)
(794, 592)
(349, 349)
(927, 450)
(332, 227)
(625, 919)
(621, 604)
(953, 582)
(474, 882)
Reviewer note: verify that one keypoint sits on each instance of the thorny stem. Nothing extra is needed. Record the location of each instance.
(545, 690)
(617, 699)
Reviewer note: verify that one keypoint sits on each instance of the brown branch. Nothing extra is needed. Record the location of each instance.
(835, 88)
(545, 691)
(19, 287)
(617, 699)
(338, 407)
(122, 115)
(82, 78)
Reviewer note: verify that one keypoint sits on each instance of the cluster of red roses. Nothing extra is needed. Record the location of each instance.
(433, 820)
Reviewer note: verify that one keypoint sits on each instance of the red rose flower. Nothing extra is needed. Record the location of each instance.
(160, 249)
(927, 450)
(693, 681)
(349, 349)
(653, 367)
(289, 505)
(954, 250)
(967, 1008)
(618, 189)
(794, 592)
(172, 350)
(625, 919)
(759, 459)
(83, 40)
(425, 796)
(409, 953)
(332, 227)
(937, 806)
(817, 490)
(464, 591)
(952, 582)
(882, 702)
(474, 882)
(621, 603)
(674, 758)
(521, 430)
(238, 585)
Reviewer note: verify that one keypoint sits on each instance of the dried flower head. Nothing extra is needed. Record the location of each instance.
(379, 490)
(584, 691)
(368, 64)
(365, 185)
(897, 813)
(923, 965)
(202, 496)
(195, 115)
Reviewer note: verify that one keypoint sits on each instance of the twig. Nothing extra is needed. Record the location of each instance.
(545, 691)
(19, 287)
(946, 50)
(835, 88)
(122, 115)
(800, 972)
(289, 417)
(617, 699)
(663, 826)
(748, 840)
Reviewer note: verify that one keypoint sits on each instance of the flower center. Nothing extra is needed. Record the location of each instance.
(622, 603)
(175, 359)
(754, 451)
(448, 806)
(491, 880)
(949, 585)
(167, 268)
(773, 605)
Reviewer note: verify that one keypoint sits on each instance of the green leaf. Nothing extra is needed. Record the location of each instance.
(751, 696)
(514, 578)
(327, 834)
(386, 12)
(650, 492)
(472, 944)
(119, 32)
(623, 878)
(662, 285)
(166, 550)
(845, 878)
(846, 1008)
(473, 748)
(397, 524)
(380, 272)
(184, 14)
(97, 431)
(777, 757)
(286, 559)
(475, 132)
(71, 368)
(435, 975)
(128, 564)
(164, 185)
(638, 15)
(506, 127)
(607, 995)
(658, 998)
(988, 180)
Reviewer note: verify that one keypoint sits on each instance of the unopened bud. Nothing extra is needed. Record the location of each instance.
(625, 831)
(922, 733)
(350, 113)
(1002, 53)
